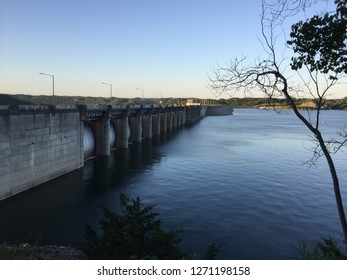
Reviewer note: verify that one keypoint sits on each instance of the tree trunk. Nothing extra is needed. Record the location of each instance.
(336, 184)
(326, 153)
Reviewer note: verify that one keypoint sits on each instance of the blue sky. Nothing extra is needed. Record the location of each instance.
(159, 46)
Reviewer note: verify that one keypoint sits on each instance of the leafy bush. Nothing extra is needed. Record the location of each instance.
(8, 252)
(135, 233)
(212, 251)
(325, 249)
(5, 253)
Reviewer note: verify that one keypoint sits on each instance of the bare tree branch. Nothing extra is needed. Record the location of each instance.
(268, 77)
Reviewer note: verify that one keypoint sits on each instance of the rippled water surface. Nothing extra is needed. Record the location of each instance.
(237, 180)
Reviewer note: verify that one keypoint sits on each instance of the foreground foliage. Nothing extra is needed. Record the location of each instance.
(325, 249)
(6, 254)
(135, 233)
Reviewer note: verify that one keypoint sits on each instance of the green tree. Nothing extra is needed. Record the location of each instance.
(135, 233)
(320, 41)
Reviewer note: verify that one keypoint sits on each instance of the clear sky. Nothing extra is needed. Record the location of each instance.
(156, 45)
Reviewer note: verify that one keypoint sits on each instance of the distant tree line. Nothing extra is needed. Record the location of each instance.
(24, 99)
(254, 102)
(245, 102)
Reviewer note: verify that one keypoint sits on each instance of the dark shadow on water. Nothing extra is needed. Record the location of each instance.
(55, 212)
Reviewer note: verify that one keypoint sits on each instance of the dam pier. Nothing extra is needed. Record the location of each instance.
(39, 142)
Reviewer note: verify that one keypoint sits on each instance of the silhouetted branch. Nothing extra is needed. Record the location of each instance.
(268, 76)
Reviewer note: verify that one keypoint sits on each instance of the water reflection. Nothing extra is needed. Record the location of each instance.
(55, 212)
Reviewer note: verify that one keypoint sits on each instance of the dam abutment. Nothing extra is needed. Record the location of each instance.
(37, 145)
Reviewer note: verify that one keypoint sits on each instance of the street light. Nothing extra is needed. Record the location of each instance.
(52, 79)
(141, 94)
(110, 87)
(161, 96)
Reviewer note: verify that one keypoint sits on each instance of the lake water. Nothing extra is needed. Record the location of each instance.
(236, 180)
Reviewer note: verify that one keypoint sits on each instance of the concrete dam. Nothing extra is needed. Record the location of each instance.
(39, 143)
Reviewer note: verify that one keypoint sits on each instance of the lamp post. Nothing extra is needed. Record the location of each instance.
(110, 88)
(52, 79)
(161, 96)
(141, 94)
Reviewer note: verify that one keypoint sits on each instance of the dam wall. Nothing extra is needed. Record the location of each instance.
(36, 146)
(39, 143)
(219, 110)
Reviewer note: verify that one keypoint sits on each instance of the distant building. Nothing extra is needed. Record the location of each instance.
(190, 102)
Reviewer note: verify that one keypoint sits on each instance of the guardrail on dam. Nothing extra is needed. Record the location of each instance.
(39, 143)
